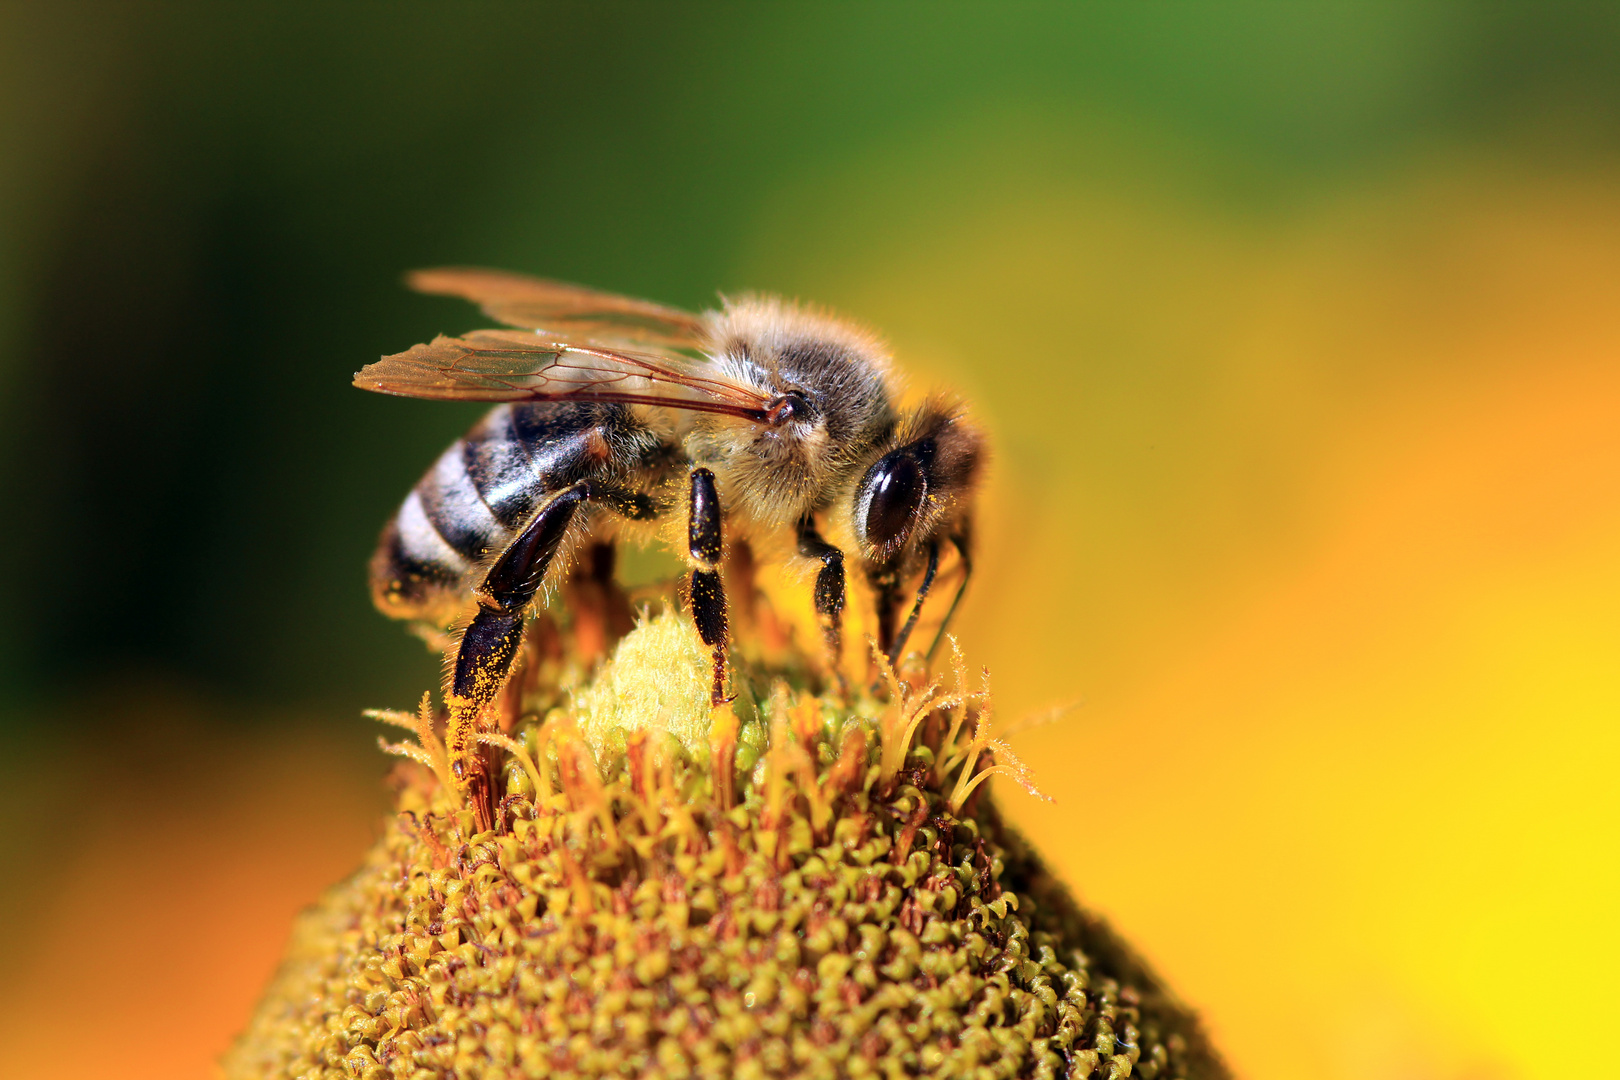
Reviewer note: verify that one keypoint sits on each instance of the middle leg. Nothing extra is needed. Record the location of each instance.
(703, 544)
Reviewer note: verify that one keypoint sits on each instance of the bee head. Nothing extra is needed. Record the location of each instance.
(920, 485)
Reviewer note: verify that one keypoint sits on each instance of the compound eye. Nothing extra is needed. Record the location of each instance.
(894, 489)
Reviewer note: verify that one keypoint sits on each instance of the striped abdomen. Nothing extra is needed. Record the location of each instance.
(480, 492)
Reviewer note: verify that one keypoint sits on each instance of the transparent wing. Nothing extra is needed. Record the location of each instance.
(568, 312)
(518, 365)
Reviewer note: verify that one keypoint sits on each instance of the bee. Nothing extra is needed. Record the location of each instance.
(763, 421)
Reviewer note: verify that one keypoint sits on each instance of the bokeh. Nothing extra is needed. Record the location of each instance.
(1297, 331)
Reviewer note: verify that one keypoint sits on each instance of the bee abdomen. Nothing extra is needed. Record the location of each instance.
(475, 499)
(414, 573)
(442, 531)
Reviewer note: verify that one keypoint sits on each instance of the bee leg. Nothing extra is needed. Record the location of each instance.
(829, 594)
(916, 608)
(484, 656)
(708, 595)
(961, 545)
(886, 597)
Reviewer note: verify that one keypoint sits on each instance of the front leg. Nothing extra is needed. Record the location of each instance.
(484, 654)
(900, 639)
(960, 543)
(708, 594)
(829, 589)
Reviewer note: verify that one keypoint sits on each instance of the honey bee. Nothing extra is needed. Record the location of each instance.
(765, 421)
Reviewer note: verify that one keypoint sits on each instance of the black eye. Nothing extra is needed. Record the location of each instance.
(891, 494)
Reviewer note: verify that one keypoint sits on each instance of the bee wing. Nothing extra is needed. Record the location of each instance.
(570, 312)
(518, 365)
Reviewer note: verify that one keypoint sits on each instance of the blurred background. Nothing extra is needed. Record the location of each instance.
(1296, 330)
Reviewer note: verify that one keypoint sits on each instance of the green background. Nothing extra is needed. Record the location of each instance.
(206, 210)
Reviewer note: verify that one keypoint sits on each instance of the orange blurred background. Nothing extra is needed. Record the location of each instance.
(1298, 342)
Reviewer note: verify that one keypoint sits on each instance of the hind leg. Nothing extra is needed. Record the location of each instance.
(483, 657)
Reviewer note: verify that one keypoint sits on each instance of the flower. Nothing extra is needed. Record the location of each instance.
(797, 886)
